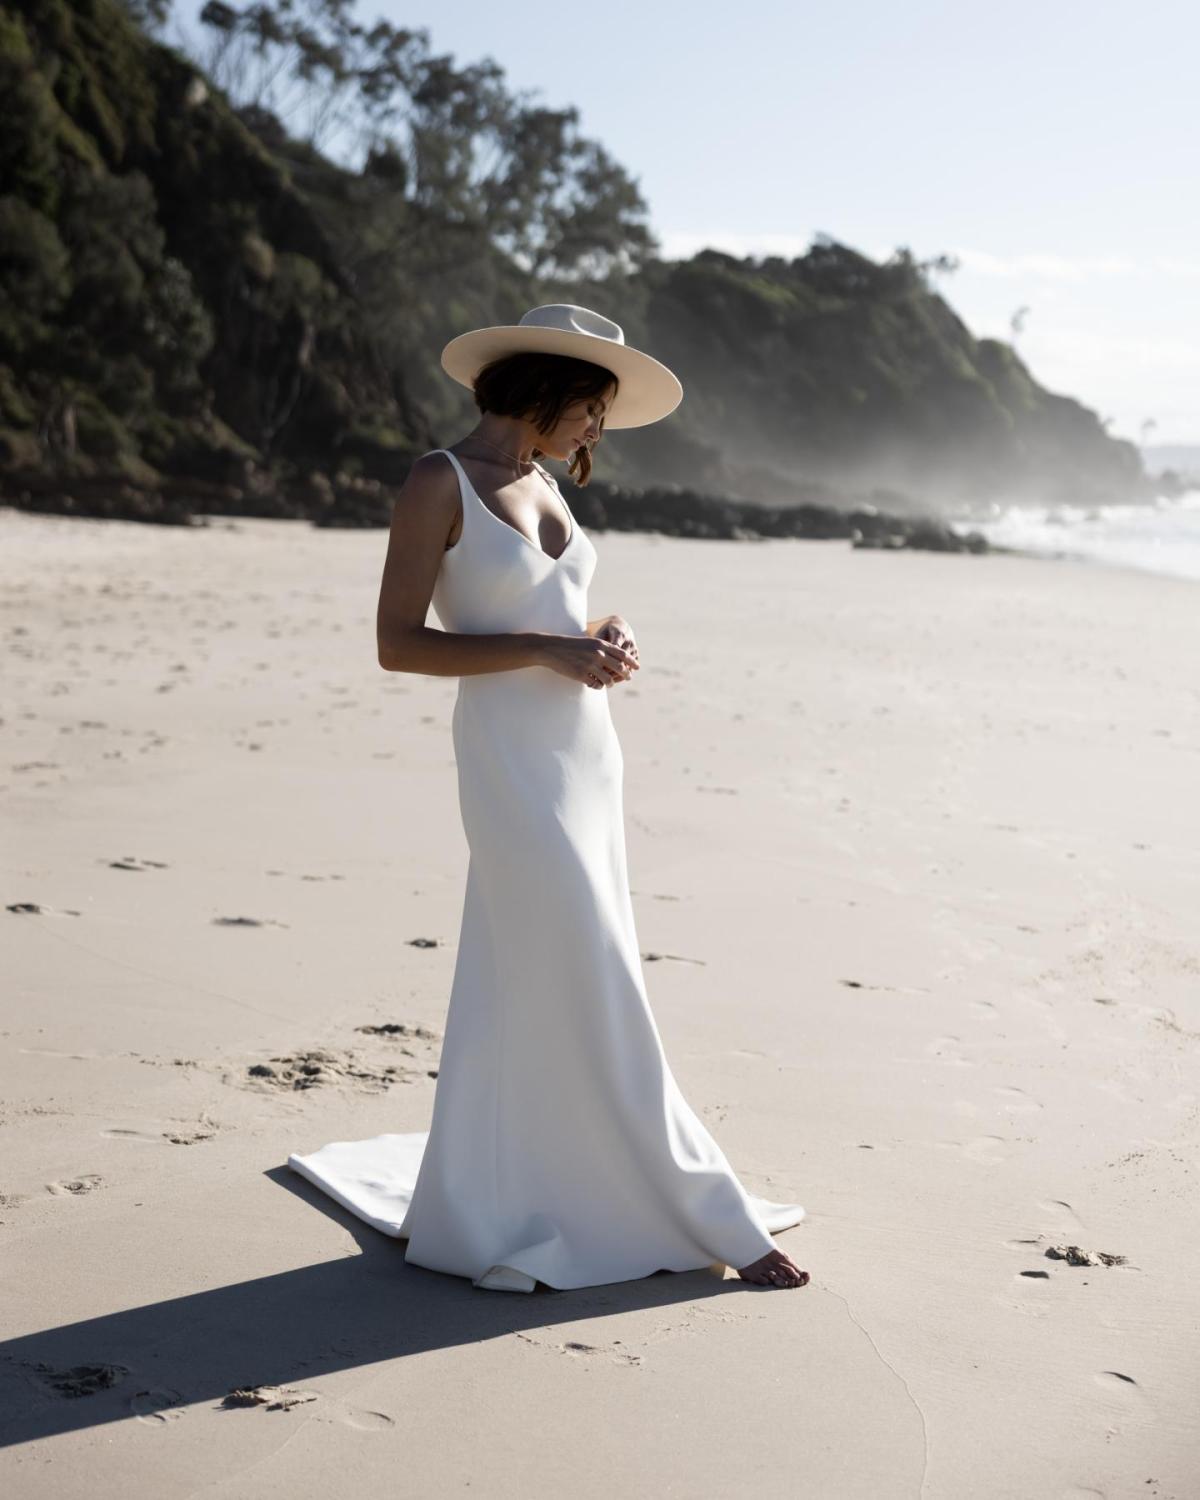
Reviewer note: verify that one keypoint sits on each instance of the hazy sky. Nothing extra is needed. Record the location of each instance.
(1050, 144)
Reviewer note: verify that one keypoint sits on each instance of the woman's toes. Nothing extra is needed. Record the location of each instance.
(790, 1274)
(774, 1269)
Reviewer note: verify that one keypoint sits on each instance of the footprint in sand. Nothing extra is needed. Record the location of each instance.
(400, 1029)
(1017, 1100)
(177, 1137)
(1123, 1391)
(1061, 1212)
(363, 1420)
(986, 1148)
(948, 1049)
(156, 1407)
(87, 1183)
(1037, 1242)
(35, 909)
(989, 1149)
(82, 1380)
(578, 1349)
(1034, 1282)
(320, 1068)
(1167, 1020)
(248, 922)
(188, 1137)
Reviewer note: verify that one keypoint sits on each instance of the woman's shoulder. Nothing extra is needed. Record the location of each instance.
(432, 480)
(435, 466)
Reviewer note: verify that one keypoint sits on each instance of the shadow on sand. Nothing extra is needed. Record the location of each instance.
(281, 1330)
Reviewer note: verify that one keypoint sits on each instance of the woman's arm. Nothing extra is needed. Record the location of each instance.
(422, 518)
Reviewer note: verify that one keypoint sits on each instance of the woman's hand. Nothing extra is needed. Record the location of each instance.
(591, 659)
(617, 629)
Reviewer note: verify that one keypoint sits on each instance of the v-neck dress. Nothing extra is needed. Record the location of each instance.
(560, 1149)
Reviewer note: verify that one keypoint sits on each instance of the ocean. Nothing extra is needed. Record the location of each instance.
(1161, 537)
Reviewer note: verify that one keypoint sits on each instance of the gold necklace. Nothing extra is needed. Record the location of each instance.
(517, 462)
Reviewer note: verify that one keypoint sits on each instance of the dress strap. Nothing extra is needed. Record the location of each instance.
(464, 484)
(469, 496)
(459, 470)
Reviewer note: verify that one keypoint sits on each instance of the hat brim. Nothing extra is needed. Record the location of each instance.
(646, 390)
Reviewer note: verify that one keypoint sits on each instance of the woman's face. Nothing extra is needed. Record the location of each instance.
(579, 426)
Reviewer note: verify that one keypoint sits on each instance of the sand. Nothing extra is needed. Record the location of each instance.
(914, 841)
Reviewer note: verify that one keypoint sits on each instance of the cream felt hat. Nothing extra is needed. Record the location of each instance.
(646, 390)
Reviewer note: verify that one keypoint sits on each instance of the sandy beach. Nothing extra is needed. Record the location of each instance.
(914, 842)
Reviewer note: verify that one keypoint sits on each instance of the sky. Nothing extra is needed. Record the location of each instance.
(1051, 147)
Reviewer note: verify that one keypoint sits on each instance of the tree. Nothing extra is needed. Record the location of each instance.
(459, 151)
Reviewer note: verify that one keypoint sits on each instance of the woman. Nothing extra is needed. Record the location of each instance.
(560, 1148)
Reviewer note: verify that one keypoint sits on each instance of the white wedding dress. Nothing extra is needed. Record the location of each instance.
(560, 1148)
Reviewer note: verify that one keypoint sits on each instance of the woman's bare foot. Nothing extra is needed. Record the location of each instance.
(774, 1269)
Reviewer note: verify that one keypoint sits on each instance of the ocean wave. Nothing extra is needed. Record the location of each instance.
(1161, 536)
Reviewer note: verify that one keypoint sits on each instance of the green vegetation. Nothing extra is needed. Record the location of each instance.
(202, 311)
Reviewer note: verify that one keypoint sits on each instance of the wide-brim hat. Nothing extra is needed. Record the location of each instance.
(646, 390)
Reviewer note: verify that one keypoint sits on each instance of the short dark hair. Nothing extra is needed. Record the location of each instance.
(540, 387)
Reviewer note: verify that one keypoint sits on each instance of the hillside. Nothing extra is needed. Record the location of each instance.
(199, 313)
(840, 369)
(170, 305)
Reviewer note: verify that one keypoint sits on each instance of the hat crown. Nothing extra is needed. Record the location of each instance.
(646, 390)
(568, 318)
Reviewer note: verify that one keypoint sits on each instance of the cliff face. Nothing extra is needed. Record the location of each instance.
(191, 306)
(838, 369)
(169, 302)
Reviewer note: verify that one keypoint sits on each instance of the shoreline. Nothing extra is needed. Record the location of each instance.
(1190, 572)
